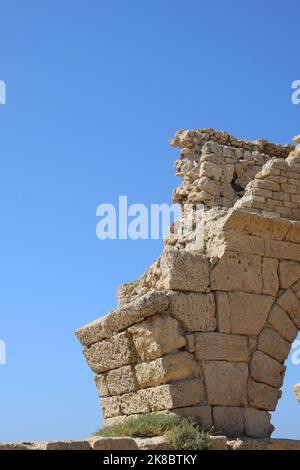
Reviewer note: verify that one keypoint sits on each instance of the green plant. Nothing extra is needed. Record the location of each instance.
(181, 433)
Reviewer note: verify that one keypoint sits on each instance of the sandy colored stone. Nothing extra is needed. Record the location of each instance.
(282, 250)
(190, 343)
(194, 312)
(102, 385)
(262, 396)
(244, 243)
(270, 276)
(282, 323)
(293, 234)
(169, 368)
(152, 443)
(218, 443)
(223, 312)
(122, 318)
(111, 353)
(221, 347)
(229, 420)
(178, 395)
(248, 312)
(256, 224)
(273, 344)
(157, 336)
(184, 271)
(291, 305)
(111, 407)
(121, 380)
(289, 273)
(113, 443)
(226, 383)
(267, 370)
(297, 392)
(257, 423)
(201, 415)
(237, 271)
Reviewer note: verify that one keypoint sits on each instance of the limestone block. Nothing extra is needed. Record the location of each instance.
(282, 323)
(201, 415)
(194, 312)
(283, 250)
(167, 369)
(289, 273)
(121, 380)
(256, 224)
(209, 185)
(184, 271)
(229, 420)
(267, 370)
(111, 353)
(111, 407)
(297, 392)
(121, 318)
(221, 347)
(290, 304)
(157, 336)
(262, 396)
(248, 312)
(270, 276)
(223, 312)
(134, 403)
(226, 383)
(257, 423)
(245, 243)
(152, 443)
(293, 234)
(113, 443)
(237, 271)
(227, 173)
(101, 385)
(273, 344)
(190, 343)
(211, 170)
(178, 395)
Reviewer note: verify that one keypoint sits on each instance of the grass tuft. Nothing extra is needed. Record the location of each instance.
(181, 433)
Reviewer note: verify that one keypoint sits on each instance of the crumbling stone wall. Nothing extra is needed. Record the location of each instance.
(204, 333)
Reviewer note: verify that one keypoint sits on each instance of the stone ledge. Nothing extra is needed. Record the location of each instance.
(151, 443)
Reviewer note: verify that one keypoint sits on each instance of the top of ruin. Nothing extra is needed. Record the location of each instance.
(187, 140)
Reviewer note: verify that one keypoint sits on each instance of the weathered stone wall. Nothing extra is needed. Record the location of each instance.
(205, 333)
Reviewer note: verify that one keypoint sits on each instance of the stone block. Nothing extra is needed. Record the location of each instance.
(223, 312)
(272, 343)
(282, 323)
(67, 445)
(226, 383)
(229, 420)
(289, 273)
(178, 395)
(157, 336)
(184, 271)
(237, 271)
(240, 242)
(270, 276)
(282, 250)
(257, 423)
(221, 347)
(262, 396)
(122, 380)
(194, 312)
(111, 353)
(248, 312)
(113, 443)
(201, 415)
(111, 407)
(169, 368)
(291, 305)
(134, 403)
(267, 370)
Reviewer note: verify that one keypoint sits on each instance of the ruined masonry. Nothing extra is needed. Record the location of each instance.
(204, 333)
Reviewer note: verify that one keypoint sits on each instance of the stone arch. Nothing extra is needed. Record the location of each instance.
(205, 333)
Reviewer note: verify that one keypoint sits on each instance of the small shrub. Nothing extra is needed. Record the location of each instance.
(181, 433)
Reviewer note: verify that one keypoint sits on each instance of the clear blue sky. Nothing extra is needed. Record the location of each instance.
(94, 91)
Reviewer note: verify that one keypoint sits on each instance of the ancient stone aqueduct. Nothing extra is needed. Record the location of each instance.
(205, 331)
